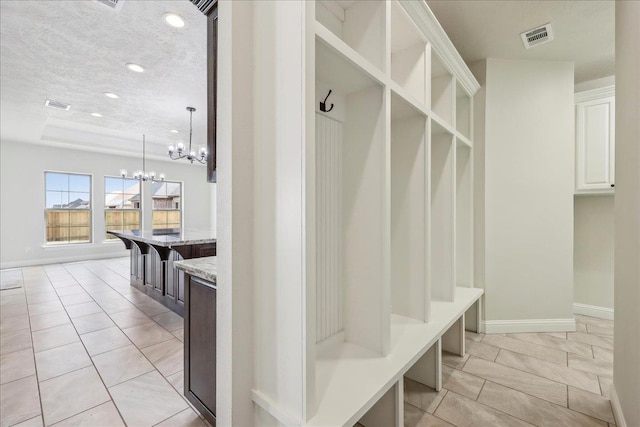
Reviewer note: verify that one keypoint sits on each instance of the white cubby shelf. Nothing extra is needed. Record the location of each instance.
(351, 379)
(389, 232)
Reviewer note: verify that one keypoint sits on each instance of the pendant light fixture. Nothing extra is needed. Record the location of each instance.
(178, 152)
(142, 174)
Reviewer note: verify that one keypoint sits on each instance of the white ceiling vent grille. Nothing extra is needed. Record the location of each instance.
(537, 36)
(113, 4)
(57, 105)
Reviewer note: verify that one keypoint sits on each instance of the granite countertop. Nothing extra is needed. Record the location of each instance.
(167, 237)
(204, 268)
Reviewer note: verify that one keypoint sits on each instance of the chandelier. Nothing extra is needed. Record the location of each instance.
(142, 174)
(178, 152)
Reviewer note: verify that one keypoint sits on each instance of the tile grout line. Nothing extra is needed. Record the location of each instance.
(143, 355)
(536, 375)
(512, 335)
(33, 353)
(140, 349)
(496, 409)
(88, 355)
(536, 397)
(481, 388)
(520, 391)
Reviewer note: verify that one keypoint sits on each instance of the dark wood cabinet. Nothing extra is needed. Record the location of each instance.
(160, 279)
(212, 91)
(154, 273)
(200, 345)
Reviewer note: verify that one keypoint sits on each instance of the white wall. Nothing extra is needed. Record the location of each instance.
(593, 240)
(593, 251)
(22, 221)
(528, 185)
(626, 369)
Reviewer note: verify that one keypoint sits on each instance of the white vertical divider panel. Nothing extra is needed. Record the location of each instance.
(427, 210)
(367, 313)
(442, 248)
(463, 111)
(386, 205)
(464, 217)
(408, 217)
(310, 214)
(280, 277)
(427, 76)
(236, 347)
(329, 226)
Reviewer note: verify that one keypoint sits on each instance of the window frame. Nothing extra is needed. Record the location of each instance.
(107, 238)
(181, 209)
(48, 244)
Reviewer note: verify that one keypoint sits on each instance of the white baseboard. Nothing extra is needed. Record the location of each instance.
(63, 259)
(528, 325)
(593, 311)
(617, 409)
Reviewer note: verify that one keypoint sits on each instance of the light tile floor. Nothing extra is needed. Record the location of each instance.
(80, 347)
(543, 379)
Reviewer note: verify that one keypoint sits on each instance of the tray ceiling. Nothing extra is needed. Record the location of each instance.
(74, 51)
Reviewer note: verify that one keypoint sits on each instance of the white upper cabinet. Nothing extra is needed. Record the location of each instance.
(595, 141)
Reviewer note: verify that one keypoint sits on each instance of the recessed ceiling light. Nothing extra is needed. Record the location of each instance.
(96, 114)
(174, 131)
(135, 67)
(111, 95)
(174, 20)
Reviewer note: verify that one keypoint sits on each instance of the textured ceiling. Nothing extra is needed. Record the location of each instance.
(73, 51)
(584, 31)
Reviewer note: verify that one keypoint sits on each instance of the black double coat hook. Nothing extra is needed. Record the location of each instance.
(323, 104)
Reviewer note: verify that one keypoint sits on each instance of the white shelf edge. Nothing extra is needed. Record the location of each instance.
(447, 126)
(404, 94)
(374, 375)
(350, 54)
(460, 137)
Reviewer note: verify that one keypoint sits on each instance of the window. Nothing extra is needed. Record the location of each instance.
(167, 204)
(121, 204)
(67, 208)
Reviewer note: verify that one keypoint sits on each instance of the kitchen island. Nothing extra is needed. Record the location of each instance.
(200, 334)
(153, 254)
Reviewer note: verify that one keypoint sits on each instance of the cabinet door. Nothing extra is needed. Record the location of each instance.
(595, 139)
(200, 346)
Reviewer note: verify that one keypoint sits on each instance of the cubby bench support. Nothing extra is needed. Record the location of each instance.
(428, 369)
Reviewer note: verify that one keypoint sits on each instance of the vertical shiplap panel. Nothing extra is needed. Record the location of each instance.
(329, 243)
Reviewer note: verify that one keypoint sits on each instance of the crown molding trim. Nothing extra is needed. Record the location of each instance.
(440, 42)
(594, 94)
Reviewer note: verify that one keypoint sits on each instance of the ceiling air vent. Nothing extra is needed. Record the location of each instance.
(57, 105)
(537, 36)
(113, 4)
